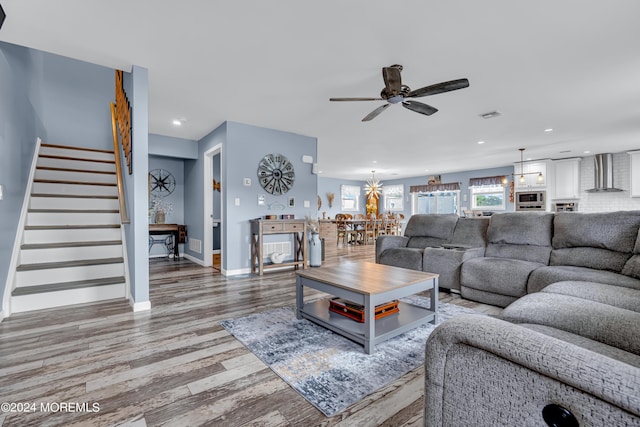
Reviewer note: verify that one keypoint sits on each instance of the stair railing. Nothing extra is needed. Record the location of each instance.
(124, 217)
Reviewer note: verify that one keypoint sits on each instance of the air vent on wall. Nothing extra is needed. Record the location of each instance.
(490, 114)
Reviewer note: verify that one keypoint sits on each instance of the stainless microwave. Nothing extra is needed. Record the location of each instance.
(531, 201)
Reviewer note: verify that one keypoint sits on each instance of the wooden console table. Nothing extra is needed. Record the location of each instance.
(178, 233)
(262, 227)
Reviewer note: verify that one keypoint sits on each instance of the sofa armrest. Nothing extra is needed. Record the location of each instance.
(387, 242)
(481, 370)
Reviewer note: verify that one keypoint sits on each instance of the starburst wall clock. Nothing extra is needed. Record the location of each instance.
(276, 174)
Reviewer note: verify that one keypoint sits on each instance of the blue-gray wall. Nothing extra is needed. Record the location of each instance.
(332, 185)
(20, 125)
(243, 146)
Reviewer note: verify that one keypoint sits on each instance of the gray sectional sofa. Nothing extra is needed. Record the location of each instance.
(566, 349)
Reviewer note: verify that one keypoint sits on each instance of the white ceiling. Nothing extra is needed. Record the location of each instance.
(570, 65)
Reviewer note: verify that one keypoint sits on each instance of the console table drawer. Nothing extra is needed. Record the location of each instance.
(293, 227)
(266, 228)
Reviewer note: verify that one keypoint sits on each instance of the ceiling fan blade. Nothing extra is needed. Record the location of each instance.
(439, 88)
(392, 80)
(419, 107)
(355, 99)
(372, 115)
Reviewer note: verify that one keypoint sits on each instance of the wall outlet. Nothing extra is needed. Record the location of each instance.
(246, 182)
(307, 204)
(237, 201)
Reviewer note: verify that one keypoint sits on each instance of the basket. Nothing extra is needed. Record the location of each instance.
(356, 311)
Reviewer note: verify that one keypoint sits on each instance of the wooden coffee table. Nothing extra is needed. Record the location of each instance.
(367, 284)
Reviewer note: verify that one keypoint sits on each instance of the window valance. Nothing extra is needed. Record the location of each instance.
(430, 188)
(487, 180)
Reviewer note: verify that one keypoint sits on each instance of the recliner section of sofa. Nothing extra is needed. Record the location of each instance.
(518, 243)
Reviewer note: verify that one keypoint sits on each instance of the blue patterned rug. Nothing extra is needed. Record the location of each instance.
(328, 370)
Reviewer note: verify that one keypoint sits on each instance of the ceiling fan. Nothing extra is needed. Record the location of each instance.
(394, 92)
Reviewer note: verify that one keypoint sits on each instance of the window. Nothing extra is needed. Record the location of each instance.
(488, 198)
(393, 198)
(438, 202)
(349, 198)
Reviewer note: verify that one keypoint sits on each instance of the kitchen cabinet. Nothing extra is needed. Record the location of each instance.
(530, 171)
(635, 173)
(567, 178)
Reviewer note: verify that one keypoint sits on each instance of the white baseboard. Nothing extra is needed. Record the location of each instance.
(140, 306)
(236, 272)
(193, 259)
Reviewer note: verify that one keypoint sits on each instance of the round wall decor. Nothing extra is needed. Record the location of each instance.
(276, 174)
(161, 182)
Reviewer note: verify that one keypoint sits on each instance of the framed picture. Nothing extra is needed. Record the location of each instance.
(292, 202)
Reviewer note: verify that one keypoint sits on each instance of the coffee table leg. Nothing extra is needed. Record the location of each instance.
(433, 295)
(299, 297)
(369, 326)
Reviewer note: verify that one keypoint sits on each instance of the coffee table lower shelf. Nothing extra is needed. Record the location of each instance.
(409, 317)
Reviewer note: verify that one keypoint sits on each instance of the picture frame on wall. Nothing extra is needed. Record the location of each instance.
(292, 202)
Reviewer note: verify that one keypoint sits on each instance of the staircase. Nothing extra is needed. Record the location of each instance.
(72, 249)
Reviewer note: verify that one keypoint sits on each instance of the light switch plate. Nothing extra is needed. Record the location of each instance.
(1, 191)
(246, 182)
(307, 204)
(237, 201)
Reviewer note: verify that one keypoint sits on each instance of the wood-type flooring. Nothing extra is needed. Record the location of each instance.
(103, 365)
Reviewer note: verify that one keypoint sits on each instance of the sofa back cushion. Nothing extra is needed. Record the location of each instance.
(603, 241)
(425, 230)
(523, 235)
(471, 231)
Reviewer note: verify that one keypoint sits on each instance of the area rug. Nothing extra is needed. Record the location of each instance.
(330, 371)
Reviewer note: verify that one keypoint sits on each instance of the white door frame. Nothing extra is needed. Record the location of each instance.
(207, 241)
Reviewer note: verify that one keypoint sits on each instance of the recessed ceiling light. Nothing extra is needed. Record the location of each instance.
(548, 130)
(177, 122)
(374, 162)
(480, 142)
(587, 152)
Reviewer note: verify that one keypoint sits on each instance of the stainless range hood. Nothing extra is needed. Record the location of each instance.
(603, 174)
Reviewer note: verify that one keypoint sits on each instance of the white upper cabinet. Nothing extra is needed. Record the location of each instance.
(530, 171)
(567, 178)
(635, 173)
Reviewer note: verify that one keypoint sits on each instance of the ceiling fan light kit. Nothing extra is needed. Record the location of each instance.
(394, 92)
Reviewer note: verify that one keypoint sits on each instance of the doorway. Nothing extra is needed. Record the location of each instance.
(213, 213)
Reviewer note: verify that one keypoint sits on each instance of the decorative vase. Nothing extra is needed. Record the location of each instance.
(315, 250)
(160, 217)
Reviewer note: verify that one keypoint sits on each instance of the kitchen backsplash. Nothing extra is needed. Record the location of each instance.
(605, 202)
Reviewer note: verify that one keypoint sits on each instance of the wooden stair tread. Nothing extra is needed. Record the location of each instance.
(54, 287)
(73, 196)
(66, 264)
(58, 245)
(70, 227)
(58, 181)
(50, 168)
(71, 147)
(73, 211)
(80, 159)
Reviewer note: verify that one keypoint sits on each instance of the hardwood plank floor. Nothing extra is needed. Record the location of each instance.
(175, 365)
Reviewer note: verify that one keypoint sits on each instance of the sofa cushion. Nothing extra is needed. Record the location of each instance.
(617, 296)
(447, 263)
(500, 275)
(522, 228)
(523, 236)
(600, 322)
(602, 241)
(471, 231)
(403, 257)
(439, 227)
(547, 275)
(596, 258)
(616, 231)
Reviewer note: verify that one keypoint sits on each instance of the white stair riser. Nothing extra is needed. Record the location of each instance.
(76, 164)
(34, 256)
(83, 154)
(68, 274)
(76, 176)
(78, 189)
(80, 235)
(24, 303)
(64, 218)
(73, 203)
